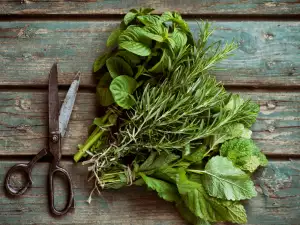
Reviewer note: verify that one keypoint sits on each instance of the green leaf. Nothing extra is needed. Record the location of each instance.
(135, 47)
(140, 70)
(113, 38)
(223, 180)
(103, 93)
(133, 39)
(164, 189)
(197, 155)
(122, 88)
(129, 57)
(189, 216)
(207, 207)
(176, 19)
(100, 62)
(146, 10)
(129, 17)
(149, 20)
(180, 39)
(241, 151)
(117, 66)
(158, 161)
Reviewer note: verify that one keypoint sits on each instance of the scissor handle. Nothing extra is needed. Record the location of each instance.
(70, 204)
(26, 169)
(18, 167)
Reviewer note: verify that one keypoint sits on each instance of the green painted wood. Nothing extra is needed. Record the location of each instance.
(277, 203)
(268, 53)
(100, 7)
(23, 122)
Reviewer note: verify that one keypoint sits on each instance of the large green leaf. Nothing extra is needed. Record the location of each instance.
(117, 66)
(122, 88)
(223, 180)
(129, 57)
(100, 62)
(180, 39)
(136, 48)
(103, 93)
(164, 189)
(207, 207)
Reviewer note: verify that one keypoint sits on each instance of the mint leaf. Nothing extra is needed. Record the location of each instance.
(129, 17)
(244, 154)
(223, 180)
(122, 88)
(117, 66)
(146, 10)
(180, 39)
(149, 20)
(113, 38)
(135, 47)
(207, 207)
(100, 62)
(164, 189)
(103, 93)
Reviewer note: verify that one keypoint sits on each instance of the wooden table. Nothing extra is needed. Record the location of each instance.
(266, 67)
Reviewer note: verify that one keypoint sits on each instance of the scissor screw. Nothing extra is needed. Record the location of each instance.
(55, 138)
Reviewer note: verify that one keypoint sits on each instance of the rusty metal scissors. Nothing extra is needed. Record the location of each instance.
(58, 122)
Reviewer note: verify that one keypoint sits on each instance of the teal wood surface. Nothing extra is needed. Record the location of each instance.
(100, 7)
(23, 122)
(277, 203)
(268, 53)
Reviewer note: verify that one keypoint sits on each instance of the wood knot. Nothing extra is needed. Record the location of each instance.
(268, 36)
(271, 105)
(271, 128)
(23, 104)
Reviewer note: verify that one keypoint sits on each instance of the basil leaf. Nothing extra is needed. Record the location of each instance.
(150, 20)
(133, 39)
(129, 57)
(113, 38)
(100, 62)
(129, 17)
(103, 93)
(122, 88)
(117, 66)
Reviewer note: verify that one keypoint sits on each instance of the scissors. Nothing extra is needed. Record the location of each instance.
(58, 122)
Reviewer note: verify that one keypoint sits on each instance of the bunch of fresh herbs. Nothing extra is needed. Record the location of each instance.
(169, 125)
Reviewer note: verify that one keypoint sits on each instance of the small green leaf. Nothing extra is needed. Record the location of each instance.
(129, 17)
(197, 155)
(117, 66)
(103, 93)
(146, 10)
(150, 20)
(122, 88)
(129, 57)
(140, 71)
(155, 32)
(223, 180)
(180, 39)
(136, 47)
(164, 189)
(113, 38)
(100, 62)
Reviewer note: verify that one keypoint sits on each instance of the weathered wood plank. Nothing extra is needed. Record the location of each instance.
(23, 122)
(100, 7)
(277, 203)
(268, 53)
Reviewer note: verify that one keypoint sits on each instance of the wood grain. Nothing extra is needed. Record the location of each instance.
(23, 122)
(277, 203)
(100, 7)
(268, 54)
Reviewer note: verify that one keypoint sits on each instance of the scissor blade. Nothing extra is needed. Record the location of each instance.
(67, 106)
(53, 101)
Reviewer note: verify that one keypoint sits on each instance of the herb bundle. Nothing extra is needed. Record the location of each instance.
(169, 124)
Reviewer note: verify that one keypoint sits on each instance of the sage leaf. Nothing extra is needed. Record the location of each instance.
(118, 66)
(122, 88)
(223, 180)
